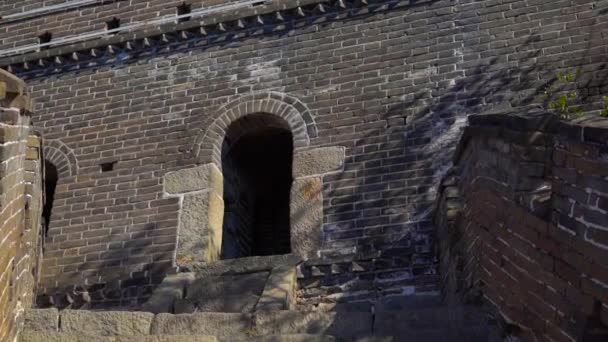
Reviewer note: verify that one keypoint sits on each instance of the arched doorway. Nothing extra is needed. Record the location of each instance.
(256, 162)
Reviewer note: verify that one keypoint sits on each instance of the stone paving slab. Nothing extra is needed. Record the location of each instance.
(222, 325)
(290, 338)
(279, 291)
(343, 324)
(41, 320)
(41, 336)
(169, 290)
(106, 323)
(53, 336)
(244, 303)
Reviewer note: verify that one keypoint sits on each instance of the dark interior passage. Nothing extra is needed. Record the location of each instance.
(50, 183)
(256, 163)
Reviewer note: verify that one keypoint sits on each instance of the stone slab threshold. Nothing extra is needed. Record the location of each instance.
(236, 285)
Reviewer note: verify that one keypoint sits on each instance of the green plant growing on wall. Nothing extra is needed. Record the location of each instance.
(604, 112)
(564, 104)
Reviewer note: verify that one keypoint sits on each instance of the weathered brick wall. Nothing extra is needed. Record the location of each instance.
(391, 84)
(522, 222)
(20, 205)
(81, 19)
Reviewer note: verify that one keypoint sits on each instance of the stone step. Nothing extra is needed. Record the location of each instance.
(431, 324)
(272, 289)
(51, 336)
(46, 336)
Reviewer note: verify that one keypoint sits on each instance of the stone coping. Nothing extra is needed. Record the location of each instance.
(12, 83)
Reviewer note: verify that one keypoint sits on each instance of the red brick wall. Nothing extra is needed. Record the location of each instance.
(20, 205)
(523, 222)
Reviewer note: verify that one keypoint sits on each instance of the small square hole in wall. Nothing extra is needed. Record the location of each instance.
(44, 38)
(112, 24)
(109, 166)
(183, 9)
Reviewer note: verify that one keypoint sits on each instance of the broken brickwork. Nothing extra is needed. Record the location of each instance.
(523, 221)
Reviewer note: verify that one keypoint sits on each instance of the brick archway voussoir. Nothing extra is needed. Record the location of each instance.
(208, 144)
(63, 157)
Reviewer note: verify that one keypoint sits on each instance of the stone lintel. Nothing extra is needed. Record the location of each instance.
(203, 177)
(318, 161)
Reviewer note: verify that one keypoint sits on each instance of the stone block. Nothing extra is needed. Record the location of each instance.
(13, 84)
(171, 289)
(204, 177)
(306, 211)
(225, 326)
(339, 324)
(45, 336)
(200, 228)
(244, 303)
(318, 161)
(279, 292)
(106, 323)
(41, 320)
(51, 336)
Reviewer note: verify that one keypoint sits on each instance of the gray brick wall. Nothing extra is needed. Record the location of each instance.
(394, 87)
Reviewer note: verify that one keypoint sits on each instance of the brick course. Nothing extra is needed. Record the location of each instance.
(392, 86)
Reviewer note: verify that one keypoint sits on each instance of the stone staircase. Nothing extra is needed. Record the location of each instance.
(256, 302)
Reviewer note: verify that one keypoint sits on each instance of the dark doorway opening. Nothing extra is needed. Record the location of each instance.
(256, 164)
(50, 183)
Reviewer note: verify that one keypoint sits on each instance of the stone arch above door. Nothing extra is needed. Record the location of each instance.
(208, 145)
